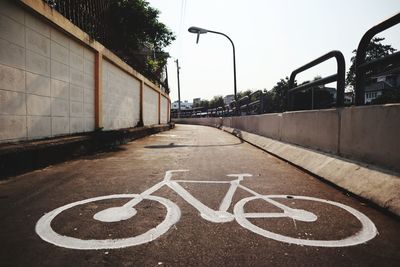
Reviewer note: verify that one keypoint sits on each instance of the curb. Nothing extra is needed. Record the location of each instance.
(376, 185)
(21, 157)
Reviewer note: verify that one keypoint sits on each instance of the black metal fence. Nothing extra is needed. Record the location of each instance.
(88, 15)
(91, 17)
(248, 105)
(257, 103)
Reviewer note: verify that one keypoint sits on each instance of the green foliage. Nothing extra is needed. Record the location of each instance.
(275, 98)
(244, 93)
(137, 36)
(216, 101)
(202, 103)
(375, 50)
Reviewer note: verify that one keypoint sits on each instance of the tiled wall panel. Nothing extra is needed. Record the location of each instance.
(150, 106)
(46, 79)
(164, 110)
(121, 98)
(47, 83)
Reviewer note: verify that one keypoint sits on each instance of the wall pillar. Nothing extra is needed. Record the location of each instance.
(98, 79)
(141, 121)
(159, 108)
(168, 111)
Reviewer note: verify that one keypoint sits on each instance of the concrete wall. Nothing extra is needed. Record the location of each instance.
(370, 134)
(48, 78)
(121, 98)
(315, 129)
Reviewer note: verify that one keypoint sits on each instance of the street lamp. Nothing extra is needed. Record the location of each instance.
(199, 31)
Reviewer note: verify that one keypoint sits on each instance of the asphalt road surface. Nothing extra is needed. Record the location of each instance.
(194, 217)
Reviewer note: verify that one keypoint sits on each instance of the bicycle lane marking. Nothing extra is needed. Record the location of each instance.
(45, 231)
(367, 232)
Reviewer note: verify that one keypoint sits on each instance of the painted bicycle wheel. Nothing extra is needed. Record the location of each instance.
(367, 231)
(46, 232)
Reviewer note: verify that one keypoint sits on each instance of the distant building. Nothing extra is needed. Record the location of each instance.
(229, 99)
(348, 98)
(379, 84)
(184, 105)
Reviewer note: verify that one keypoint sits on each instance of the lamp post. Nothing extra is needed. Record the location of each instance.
(179, 89)
(199, 31)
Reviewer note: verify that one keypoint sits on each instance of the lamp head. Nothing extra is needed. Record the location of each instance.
(197, 31)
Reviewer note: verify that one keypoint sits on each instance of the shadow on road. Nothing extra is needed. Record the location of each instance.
(173, 145)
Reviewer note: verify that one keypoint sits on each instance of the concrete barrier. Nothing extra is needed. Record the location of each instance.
(369, 134)
(381, 188)
(270, 125)
(314, 129)
(372, 134)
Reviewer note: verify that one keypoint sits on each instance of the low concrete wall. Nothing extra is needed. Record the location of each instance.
(266, 125)
(382, 188)
(314, 129)
(370, 134)
(215, 122)
(17, 158)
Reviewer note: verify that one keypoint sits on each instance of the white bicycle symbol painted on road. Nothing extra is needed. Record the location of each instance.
(115, 214)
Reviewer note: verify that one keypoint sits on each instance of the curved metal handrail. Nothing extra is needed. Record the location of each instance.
(361, 64)
(339, 77)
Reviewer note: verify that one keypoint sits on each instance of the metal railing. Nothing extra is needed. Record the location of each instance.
(92, 17)
(339, 77)
(362, 66)
(88, 15)
(248, 105)
(256, 102)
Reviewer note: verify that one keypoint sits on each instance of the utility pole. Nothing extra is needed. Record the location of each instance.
(179, 89)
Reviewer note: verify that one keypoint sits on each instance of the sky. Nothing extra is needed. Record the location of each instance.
(272, 38)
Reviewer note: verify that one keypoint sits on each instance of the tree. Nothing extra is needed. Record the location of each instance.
(316, 97)
(275, 98)
(202, 104)
(375, 50)
(244, 93)
(129, 28)
(216, 101)
(136, 36)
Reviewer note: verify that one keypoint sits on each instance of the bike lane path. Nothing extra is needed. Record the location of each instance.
(208, 154)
